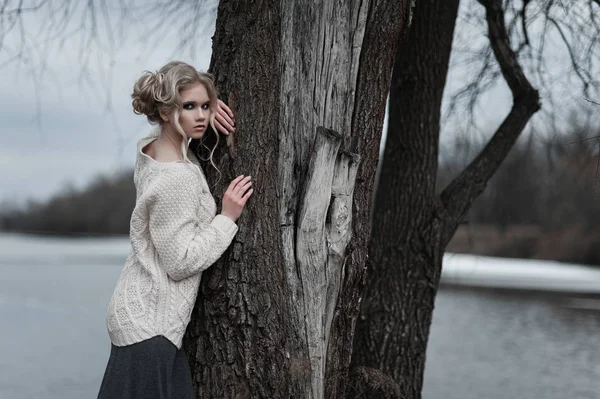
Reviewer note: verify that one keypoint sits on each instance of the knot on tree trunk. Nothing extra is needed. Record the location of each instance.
(367, 382)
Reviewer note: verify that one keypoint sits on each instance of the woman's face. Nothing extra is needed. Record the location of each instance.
(194, 116)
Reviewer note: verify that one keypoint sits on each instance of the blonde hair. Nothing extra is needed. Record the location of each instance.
(156, 92)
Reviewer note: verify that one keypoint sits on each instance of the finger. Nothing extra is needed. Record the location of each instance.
(226, 108)
(223, 114)
(220, 127)
(234, 182)
(241, 189)
(224, 122)
(246, 196)
(241, 183)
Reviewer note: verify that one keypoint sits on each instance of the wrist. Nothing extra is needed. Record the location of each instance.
(233, 219)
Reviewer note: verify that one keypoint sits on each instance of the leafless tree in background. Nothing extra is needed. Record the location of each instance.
(412, 224)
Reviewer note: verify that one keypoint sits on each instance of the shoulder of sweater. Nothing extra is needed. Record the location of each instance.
(176, 182)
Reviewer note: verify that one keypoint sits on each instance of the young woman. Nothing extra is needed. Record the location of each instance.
(175, 234)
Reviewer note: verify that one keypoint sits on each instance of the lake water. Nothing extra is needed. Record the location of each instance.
(485, 343)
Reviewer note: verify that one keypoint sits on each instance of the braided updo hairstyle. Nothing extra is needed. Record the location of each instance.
(159, 91)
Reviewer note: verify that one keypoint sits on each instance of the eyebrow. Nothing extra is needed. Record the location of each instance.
(194, 102)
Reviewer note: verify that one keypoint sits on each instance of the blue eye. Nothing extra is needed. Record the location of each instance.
(206, 106)
(188, 106)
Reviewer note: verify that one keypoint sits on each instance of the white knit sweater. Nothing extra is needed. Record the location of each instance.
(175, 235)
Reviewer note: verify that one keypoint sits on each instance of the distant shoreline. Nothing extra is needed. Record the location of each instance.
(47, 234)
(574, 244)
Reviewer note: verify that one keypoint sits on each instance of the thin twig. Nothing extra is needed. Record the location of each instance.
(596, 176)
(591, 101)
(582, 140)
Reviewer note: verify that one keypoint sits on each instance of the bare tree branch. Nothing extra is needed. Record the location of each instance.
(591, 101)
(460, 193)
(541, 31)
(574, 63)
(20, 9)
(524, 22)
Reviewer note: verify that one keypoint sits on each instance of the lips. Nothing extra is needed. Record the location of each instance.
(200, 127)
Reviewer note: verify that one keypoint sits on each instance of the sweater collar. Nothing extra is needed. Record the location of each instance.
(143, 159)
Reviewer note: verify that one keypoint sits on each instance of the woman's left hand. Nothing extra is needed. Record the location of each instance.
(224, 118)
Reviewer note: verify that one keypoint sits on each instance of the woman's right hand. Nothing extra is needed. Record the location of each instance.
(236, 196)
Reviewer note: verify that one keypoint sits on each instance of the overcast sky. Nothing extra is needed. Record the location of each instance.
(56, 130)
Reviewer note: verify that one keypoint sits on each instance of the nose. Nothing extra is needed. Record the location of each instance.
(201, 114)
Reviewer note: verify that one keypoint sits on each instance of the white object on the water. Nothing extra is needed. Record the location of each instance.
(484, 271)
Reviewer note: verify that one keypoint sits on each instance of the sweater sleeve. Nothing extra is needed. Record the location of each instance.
(185, 244)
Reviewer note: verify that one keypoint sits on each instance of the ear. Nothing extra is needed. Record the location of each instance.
(164, 115)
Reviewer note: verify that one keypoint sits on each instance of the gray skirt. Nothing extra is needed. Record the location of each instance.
(151, 369)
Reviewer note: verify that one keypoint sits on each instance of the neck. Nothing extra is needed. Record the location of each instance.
(169, 134)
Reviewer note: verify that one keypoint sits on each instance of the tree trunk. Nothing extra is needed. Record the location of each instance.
(307, 82)
(405, 253)
(411, 225)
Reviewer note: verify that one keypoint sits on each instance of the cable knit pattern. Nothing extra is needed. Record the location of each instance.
(175, 235)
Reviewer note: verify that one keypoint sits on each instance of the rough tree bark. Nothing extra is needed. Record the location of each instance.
(307, 82)
(411, 226)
